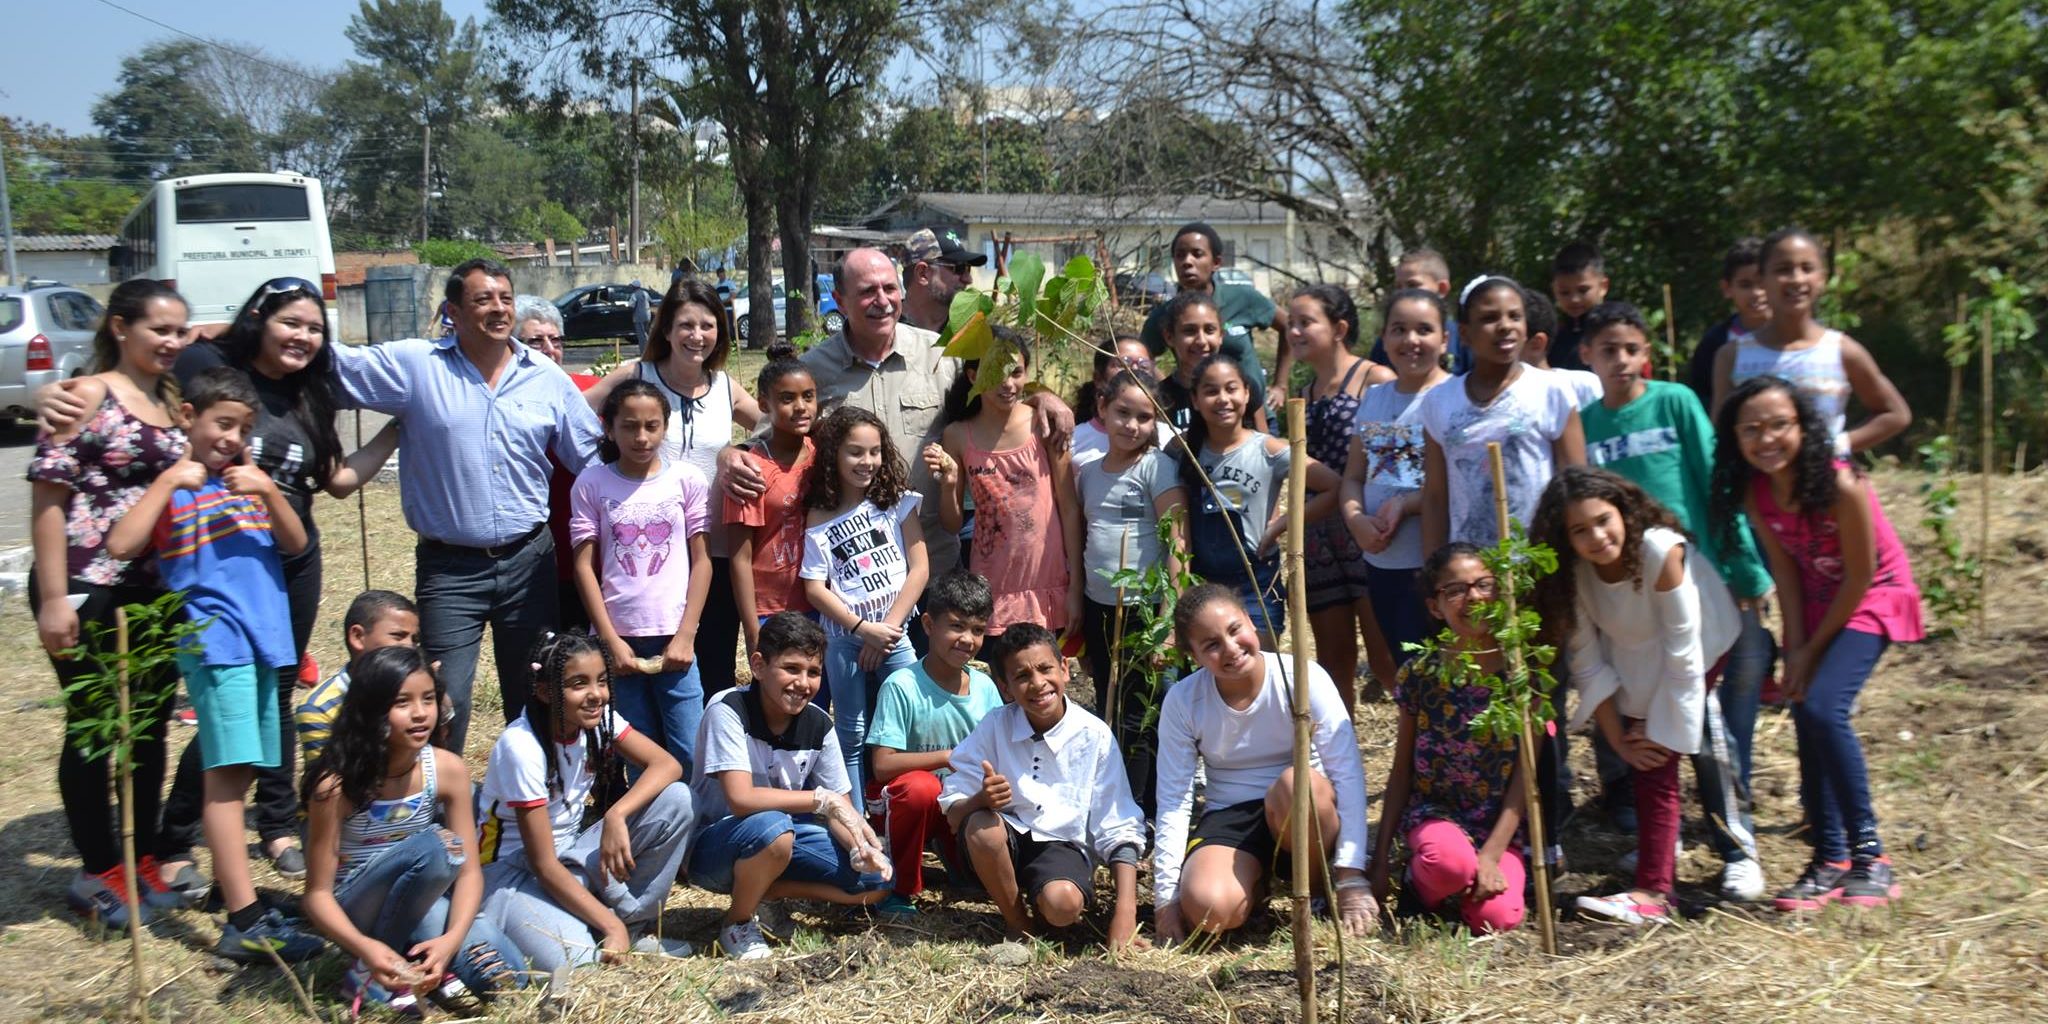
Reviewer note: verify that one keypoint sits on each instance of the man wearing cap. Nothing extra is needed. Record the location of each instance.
(936, 268)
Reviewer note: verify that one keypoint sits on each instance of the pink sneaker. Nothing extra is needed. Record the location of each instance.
(1624, 907)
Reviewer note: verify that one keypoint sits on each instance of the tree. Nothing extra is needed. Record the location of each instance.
(59, 184)
(160, 121)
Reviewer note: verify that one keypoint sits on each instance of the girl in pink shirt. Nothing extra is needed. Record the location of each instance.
(1846, 592)
(643, 565)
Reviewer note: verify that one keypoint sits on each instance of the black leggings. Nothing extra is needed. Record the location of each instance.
(1133, 736)
(275, 811)
(81, 781)
(718, 633)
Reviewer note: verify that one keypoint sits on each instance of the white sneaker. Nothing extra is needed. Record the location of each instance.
(655, 945)
(1626, 863)
(743, 941)
(1742, 880)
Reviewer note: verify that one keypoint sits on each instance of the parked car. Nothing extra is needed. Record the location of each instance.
(1143, 290)
(742, 311)
(828, 315)
(601, 311)
(1231, 275)
(45, 335)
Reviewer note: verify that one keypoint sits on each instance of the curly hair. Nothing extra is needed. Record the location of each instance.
(1556, 593)
(552, 653)
(358, 751)
(1813, 468)
(890, 482)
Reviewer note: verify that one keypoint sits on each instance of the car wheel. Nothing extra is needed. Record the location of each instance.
(741, 326)
(835, 322)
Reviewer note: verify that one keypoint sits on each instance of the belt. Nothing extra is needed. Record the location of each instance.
(494, 551)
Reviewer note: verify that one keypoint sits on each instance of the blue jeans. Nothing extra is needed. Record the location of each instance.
(853, 699)
(550, 936)
(665, 706)
(1834, 786)
(400, 898)
(461, 589)
(1741, 688)
(813, 858)
(1397, 604)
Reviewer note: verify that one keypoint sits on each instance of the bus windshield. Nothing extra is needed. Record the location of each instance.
(221, 204)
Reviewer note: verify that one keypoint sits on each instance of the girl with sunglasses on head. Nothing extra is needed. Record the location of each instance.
(279, 338)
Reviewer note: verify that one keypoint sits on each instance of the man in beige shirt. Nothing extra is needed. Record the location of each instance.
(895, 371)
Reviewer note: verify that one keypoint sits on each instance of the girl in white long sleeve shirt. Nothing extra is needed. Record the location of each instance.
(1645, 616)
(1236, 714)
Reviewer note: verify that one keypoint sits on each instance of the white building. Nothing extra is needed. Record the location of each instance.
(71, 259)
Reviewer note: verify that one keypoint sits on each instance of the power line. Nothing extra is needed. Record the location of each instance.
(295, 72)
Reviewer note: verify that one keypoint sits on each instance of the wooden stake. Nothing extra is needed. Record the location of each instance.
(1117, 653)
(1303, 825)
(124, 767)
(1955, 378)
(362, 515)
(1986, 464)
(1670, 338)
(1539, 858)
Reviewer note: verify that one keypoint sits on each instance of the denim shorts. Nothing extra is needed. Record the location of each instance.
(814, 858)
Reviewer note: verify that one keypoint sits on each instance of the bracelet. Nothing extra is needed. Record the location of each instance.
(1353, 883)
(857, 624)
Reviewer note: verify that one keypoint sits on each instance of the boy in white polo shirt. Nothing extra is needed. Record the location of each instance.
(1039, 797)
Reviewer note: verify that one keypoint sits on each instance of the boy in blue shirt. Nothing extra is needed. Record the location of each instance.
(923, 712)
(217, 525)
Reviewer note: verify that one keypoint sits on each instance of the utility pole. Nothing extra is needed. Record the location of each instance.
(7, 217)
(633, 223)
(426, 182)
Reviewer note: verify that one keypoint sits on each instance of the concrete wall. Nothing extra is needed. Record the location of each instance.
(74, 268)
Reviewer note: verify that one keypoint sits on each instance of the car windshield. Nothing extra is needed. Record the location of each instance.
(10, 312)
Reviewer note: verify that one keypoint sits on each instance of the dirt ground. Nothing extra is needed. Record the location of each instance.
(1957, 737)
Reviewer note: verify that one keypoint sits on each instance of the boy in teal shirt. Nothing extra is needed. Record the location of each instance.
(922, 713)
(1657, 434)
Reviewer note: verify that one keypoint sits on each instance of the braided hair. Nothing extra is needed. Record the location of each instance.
(551, 657)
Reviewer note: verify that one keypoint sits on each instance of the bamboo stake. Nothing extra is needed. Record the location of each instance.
(1955, 375)
(124, 768)
(1539, 858)
(1303, 825)
(1986, 464)
(1116, 652)
(1670, 336)
(362, 514)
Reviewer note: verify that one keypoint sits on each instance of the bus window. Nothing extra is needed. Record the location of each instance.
(219, 204)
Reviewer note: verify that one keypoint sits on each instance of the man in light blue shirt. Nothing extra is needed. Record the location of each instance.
(478, 414)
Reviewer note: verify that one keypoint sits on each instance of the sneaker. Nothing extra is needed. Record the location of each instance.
(455, 997)
(743, 941)
(309, 670)
(187, 882)
(1819, 885)
(1626, 863)
(185, 716)
(1742, 880)
(156, 893)
(102, 898)
(1624, 907)
(359, 991)
(1870, 883)
(655, 945)
(271, 933)
(896, 906)
(290, 861)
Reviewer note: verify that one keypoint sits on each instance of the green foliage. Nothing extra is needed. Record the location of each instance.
(1150, 593)
(1527, 685)
(1057, 313)
(448, 252)
(159, 122)
(156, 633)
(1950, 585)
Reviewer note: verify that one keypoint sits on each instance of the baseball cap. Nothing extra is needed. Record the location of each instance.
(941, 245)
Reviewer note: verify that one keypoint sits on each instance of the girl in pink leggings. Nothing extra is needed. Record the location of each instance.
(1455, 799)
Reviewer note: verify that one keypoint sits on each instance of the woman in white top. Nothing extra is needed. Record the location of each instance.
(685, 357)
(1644, 616)
(1236, 715)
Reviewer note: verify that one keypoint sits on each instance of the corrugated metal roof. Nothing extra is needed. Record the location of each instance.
(63, 243)
(1034, 208)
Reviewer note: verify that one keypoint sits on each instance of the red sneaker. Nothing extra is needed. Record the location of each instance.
(309, 670)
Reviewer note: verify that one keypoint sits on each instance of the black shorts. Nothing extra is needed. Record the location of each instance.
(1239, 826)
(1039, 863)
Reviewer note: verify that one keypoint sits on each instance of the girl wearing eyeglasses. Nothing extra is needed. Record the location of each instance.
(1454, 798)
(1847, 593)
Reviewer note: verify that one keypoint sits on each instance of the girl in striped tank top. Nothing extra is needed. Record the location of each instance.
(391, 869)
(1827, 366)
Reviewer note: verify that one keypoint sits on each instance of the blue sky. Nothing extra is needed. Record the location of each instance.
(65, 53)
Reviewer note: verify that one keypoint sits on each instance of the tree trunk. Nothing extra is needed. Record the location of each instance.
(793, 217)
(760, 204)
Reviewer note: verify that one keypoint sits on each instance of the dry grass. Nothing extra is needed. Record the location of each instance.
(1957, 736)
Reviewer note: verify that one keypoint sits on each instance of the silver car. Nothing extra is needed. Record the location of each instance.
(45, 335)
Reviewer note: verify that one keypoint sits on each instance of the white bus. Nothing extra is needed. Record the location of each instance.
(216, 237)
